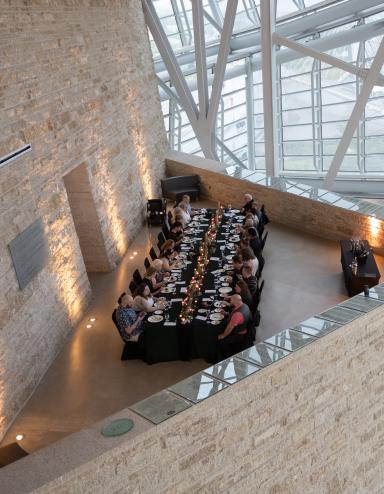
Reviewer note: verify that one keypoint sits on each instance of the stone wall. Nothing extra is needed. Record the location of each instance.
(77, 83)
(312, 422)
(315, 217)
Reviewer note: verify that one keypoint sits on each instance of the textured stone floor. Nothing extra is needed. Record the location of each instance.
(88, 382)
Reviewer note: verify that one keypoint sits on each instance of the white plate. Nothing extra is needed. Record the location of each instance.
(215, 323)
(158, 312)
(229, 257)
(227, 279)
(228, 267)
(216, 317)
(182, 255)
(166, 289)
(225, 284)
(171, 285)
(225, 289)
(218, 310)
(235, 211)
(202, 311)
(162, 299)
(155, 318)
(218, 303)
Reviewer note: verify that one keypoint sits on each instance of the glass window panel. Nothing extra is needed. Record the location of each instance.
(302, 116)
(374, 127)
(259, 121)
(349, 163)
(333, 130)
(233, 84)
(233, 114)
(331, 113)
(297, 148)
(330, 146)
(298, 100)
(374, 145)
(169, 25)
(259, 149)
(175, 41)
(260, 163)
(300, 82)
(338, 94)
(298, 66)
(374, 164)
(258, 91)
(237, 142)
(187, 133)
(259, 135)
(334, 76)
(377, 92)
(374, 108)
(258, 106)
(242, 154)
(234, 128)
(298, 163)
(234, 99)
(297, 133)
(190, 146)
(163, 8)
(285, 7)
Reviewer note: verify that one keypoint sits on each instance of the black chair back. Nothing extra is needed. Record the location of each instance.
(152, 253)
(161, 238)
(261, 288)
(132, 287)
(137, 278)
(165, 229)
(146, 263)
(257, 297)
(260, 228)
(170, 217)
(156, 209)
(263, 240)
(261, 267)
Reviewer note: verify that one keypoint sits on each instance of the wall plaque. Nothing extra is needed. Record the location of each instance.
(29, 252)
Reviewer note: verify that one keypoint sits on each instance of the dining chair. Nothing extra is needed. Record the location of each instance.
(137, 278)
(152, 253)
(147, 263)
(132, 287)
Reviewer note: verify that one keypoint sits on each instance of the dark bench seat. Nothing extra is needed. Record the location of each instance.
(175, 187)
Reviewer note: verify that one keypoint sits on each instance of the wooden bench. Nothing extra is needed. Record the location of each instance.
(175, 187)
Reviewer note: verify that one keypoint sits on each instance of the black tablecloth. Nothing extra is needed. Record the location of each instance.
(197, 338)
(367, 273)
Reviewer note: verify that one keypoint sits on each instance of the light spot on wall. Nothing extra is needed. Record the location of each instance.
(375, 225)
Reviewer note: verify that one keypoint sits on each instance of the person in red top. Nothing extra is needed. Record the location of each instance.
(236, 328)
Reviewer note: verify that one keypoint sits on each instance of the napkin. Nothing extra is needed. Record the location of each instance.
(183, 289)
(179, 282)
(206, 299)
(210, 291)
(176, 300)
(214, 259)
(220, 241)
(170, 323)
(202, 318)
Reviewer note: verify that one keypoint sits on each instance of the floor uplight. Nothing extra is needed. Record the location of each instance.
(19, 437)
(92, 319)
(88, 326)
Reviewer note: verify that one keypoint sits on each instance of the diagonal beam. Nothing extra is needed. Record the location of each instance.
(174, 71)
(201, 62)
(324, 57)
(212, 21)
(169, 91)
(218, 79)
(356, 114)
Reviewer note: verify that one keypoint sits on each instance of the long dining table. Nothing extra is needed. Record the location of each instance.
(168, 338)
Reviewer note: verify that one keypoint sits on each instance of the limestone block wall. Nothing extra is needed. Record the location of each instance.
(314, 217)
(312, 422)
(77, 83)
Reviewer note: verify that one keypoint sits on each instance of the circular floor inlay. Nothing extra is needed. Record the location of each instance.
(117, 427)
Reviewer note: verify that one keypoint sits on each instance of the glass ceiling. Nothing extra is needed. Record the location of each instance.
(315, 99)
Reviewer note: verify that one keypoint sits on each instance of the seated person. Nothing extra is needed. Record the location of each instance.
(187, 200)
(167, 257)
(255, 210)
(254, 242)
(129, 323)
(249, 259)
(176, 233)
(248, 199)
(150, 280)
(249, 279)
(167, 245)
(237, 267)
(186, 217)
(161, 273)
(236, 328)
(242, 289)
(143, 300)
(252, 219)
